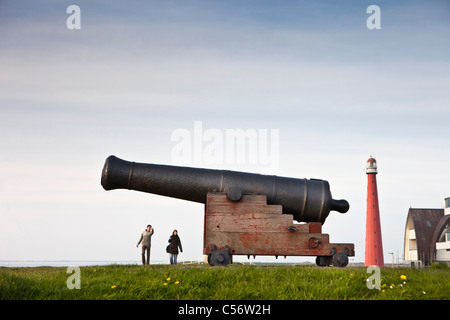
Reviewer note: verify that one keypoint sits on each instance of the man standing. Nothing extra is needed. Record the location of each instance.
(146, 239)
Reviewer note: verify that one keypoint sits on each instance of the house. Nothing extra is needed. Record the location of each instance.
(427, 235)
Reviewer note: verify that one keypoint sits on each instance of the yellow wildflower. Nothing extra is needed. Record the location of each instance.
(165, 283)
(177, 282)
(403, 277)
(168, 279)
(112, 287)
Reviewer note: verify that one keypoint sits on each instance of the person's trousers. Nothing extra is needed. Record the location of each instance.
(173, 258)
(144, 249)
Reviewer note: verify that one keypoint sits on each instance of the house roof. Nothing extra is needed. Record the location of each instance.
(440, 227)
(425, 222)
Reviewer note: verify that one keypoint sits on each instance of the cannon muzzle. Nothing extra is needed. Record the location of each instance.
(308, 200)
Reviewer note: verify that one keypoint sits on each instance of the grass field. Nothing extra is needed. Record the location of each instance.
(234, 282)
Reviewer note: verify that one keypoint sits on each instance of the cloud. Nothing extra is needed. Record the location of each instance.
(336, 92)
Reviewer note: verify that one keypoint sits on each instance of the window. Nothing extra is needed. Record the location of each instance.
(447, 202)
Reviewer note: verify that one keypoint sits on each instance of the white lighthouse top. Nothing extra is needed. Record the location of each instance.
(371, 166)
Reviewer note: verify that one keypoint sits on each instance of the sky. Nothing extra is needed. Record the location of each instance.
(334, 91)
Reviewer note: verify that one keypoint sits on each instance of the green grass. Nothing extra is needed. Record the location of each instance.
(235, 282)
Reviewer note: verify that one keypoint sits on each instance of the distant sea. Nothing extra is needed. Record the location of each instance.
(67, 263)
(84, 263)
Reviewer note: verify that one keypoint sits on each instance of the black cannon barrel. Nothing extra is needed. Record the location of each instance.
(308, 200)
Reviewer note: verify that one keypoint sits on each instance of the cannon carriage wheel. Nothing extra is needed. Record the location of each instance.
(339, 260)
(220, 257)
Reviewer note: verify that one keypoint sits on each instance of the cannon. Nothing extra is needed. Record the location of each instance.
(245, 213)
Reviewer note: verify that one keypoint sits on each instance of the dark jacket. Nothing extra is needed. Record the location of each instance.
(175, 242)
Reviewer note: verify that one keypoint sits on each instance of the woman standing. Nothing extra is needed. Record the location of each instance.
(175, 242)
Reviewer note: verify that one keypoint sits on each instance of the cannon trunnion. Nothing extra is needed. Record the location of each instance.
(245, 213)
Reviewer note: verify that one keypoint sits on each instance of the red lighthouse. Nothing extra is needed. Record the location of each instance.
(374, 246)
